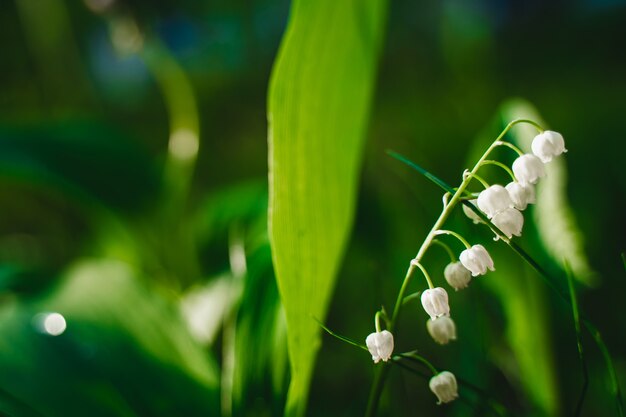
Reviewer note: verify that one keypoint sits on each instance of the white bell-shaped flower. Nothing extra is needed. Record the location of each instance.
(547, 145)
(477, 260)
(493, 200)
(444, 386)
(470, 214)
(510, 222)
(528, 169)
(435, 302)
(380, 345)
(521, 195)
(457, 275)
(442, 329)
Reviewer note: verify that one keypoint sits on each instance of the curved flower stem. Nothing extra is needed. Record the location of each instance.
(446, 248)
(510, 145)
(381, 375)
(421, 267)
(456, 235)
(377, 321)
(480, 179)
(411, 297)
(415, 357)
(501, 165)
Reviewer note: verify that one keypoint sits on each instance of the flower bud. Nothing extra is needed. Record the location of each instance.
(528, 169)
(442, 329)
(380, 345)
(443, 385)
(457, 275)
(477, 260)
(510, 222)
(435, 302)
(521, 195)
(493, 200)
(469, 213)
(547, 145)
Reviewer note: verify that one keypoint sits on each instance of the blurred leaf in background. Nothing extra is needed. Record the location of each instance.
(124, 352)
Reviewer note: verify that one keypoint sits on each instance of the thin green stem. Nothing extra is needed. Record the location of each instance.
(480, 179)
(377, 321)
(342, 338)
(510, 145)
(415, 357)
(446, 248)
(411, 297)
(379, 379)
(597, 337)
(421, 267)
(501, 165)
(579, 342)
(456, 235)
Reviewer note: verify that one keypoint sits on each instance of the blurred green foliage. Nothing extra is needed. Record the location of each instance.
(161, 265)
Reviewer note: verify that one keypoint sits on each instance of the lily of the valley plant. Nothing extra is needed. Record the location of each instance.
(503, 206)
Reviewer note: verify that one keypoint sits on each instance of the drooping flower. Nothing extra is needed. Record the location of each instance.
(547, 145)
(528, 169)
(435, 302)
(477, 260)
(521, 195)
(442, 329)
(380, 345)
(510, 222)
(470, 214)
(444, 386)
(457, 275)
(493, 200)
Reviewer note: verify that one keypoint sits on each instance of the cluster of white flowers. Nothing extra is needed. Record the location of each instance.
(503, 206)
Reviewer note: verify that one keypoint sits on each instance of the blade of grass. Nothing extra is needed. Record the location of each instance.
(550, 281)
(422, 171)
(342, 338)
(579, 343)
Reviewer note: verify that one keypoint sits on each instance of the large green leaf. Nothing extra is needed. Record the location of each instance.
(319, 99)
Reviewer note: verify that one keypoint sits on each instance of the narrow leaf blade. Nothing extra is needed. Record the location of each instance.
(319, 99)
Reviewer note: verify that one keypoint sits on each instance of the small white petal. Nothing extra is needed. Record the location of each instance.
(510, 222)
(435, 302)
(444, 386)
(493, 200)
(380, 345)
(457, 275)
(477, 260)
(442, 329)
(528, 169)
